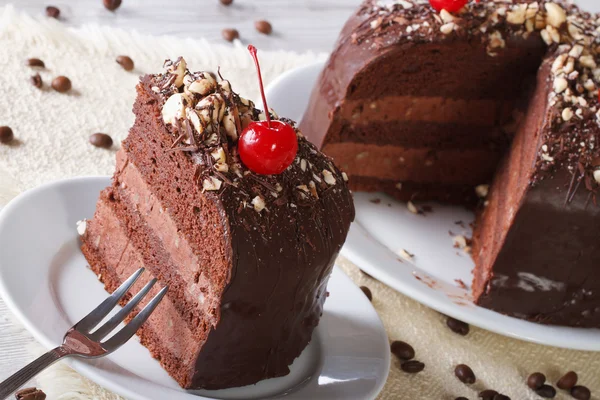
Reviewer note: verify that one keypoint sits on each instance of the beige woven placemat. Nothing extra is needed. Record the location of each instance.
(52, 131)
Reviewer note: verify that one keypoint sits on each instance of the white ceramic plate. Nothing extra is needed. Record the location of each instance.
(432, 277)
(45, 282)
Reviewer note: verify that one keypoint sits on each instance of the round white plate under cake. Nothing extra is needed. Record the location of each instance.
(45, 282)
(386, 234)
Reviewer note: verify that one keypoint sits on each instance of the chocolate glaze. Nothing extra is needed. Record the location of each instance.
(270, 265)
(535, 241)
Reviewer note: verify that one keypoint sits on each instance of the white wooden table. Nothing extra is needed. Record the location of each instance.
(298, 25)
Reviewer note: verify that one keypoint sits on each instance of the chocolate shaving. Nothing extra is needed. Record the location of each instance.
(264, 183)
(178, 140)
(169, 82)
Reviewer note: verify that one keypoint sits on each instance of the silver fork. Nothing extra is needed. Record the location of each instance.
(81, 341)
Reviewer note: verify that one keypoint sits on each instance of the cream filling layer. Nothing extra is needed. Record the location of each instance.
(160, 222)
(484, 112)
(450, 166)
(118, 252)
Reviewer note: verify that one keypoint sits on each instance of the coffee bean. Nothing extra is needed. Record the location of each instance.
(501, 396)
(112, 5)
(581, 393)
(230, 34)
(536, 380)
(52, 12)
(457, 326)
(367, 292)
(412, 367)
(402, 350)
(546, 391)
(101, 140)
(36, 80)
(30, 394)
(35, 62)
(464, 373)
(461, 398)
(6, 134)
(567, 381)
(263, 27)
(226, 2)
(487, 394)
(125, 62)
(61, 84)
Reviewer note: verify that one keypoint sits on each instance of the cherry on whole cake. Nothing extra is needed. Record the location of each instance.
(435, 100)
(448, 5)
(267, 147)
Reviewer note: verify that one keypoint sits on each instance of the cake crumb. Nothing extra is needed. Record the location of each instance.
(412, 208)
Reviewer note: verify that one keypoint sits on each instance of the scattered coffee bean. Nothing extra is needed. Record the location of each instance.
(567, 381)
(230, 34)
(6, 134)
(581, 393)
(501, 396)
(457, 326)
(461, 398)
(263, 27)
(226, 2)
(30, 394)
(536, 380)
(412, 367)
(464, 373)
(125, 62)
(488, 394)
(112, 5)
(367, 292)
(52, 12)
(35, 62)
(36, 80)
(101, 140)
(61, 84)
(402, 350)
(546, 391)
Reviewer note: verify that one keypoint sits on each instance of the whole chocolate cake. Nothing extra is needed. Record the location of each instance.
(246, 256)
(430, 103)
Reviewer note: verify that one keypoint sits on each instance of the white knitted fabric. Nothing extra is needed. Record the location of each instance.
(53, 129)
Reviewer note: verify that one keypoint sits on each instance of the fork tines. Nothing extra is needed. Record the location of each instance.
(93, 319)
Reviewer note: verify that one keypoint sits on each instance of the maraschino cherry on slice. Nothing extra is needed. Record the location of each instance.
(267, 147)
(448, 5)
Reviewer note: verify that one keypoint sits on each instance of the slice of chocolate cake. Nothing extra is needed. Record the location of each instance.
(246, 256)
(424, 104)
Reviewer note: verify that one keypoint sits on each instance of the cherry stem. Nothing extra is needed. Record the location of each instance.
(252, 51)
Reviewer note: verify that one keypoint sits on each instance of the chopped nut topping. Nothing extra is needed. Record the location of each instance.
(81, 227)
(174, 108)
(345, 177)
(482, 190)
(567, 114)
(518, 15)
(556, 15)
(211, 183)
(560, 85)
(259, 203)
(328, 177)
(406, 254)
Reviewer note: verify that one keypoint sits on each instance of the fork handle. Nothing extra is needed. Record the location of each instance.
(21, 377)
